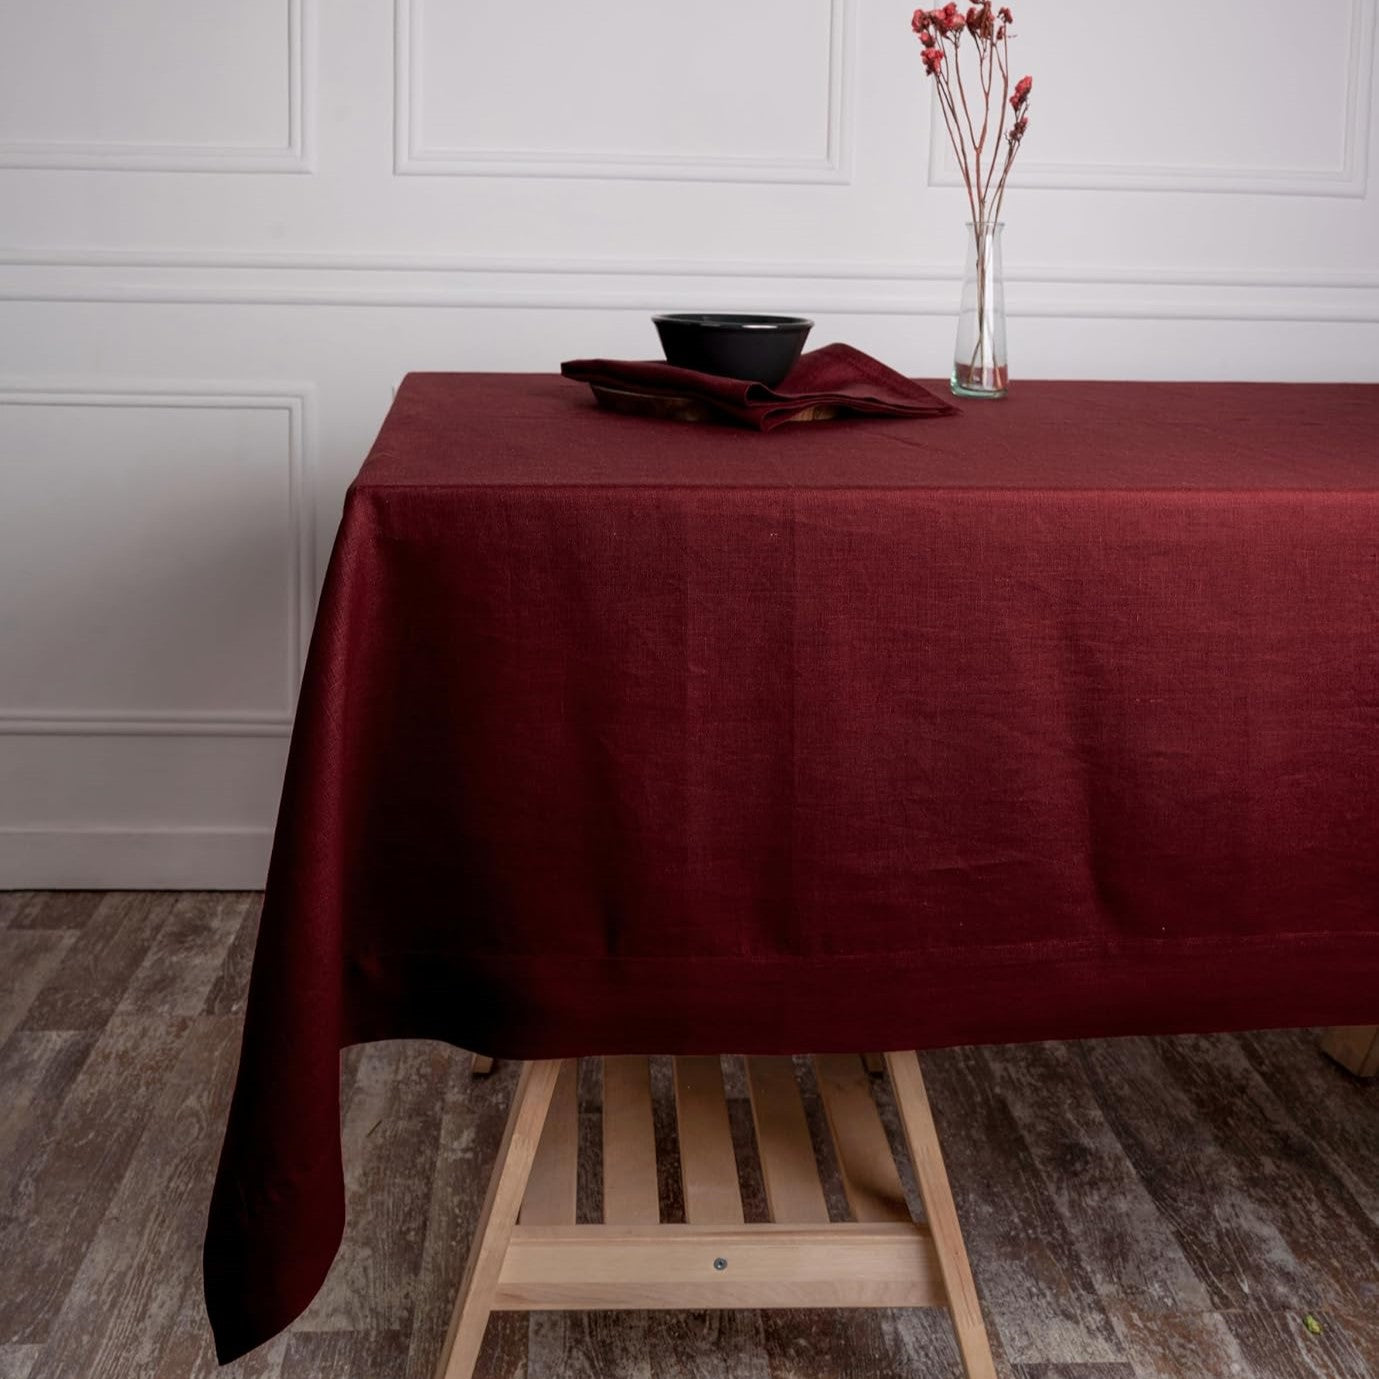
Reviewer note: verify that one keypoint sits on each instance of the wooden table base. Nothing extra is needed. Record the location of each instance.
(1354, 1047)
(529, 1253)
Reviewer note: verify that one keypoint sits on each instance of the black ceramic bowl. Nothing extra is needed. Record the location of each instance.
(760, 348)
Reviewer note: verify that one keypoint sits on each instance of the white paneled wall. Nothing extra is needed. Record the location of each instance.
(226, 231)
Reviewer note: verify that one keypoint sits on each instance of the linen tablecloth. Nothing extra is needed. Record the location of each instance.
(1056, 718)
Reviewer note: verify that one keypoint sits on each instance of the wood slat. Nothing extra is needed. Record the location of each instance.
(870, 1178)
(673, 1266)
(793, 1192)
(554, 1181)
(629, 1144)
(708, 1166)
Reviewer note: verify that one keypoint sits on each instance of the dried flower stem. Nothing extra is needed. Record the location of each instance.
(987, 28)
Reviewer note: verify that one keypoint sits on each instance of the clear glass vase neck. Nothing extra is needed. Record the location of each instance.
(979, 356)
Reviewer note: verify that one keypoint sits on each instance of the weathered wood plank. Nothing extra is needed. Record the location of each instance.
(1293, 1157)
(1128, 1247)
(1339, 1115)
(1278, 1344)
(1112, 1371)
(1040, 1297)
(701, 1345)
(13, 904)
(1163, 1344)
(390, 1138)
(17, 1360)
(125, 1297)
(894, 1343)
(473, 1115)
(188, 1352)
(585, 1345)
(231, 983)
(28, 959)
(49, 909)
(37, 1067)
(90, 982)
(62, 1193)
(1323, 1228)
(1229, 1235)
(346, 1355)
(669, 1187)
(180, 969)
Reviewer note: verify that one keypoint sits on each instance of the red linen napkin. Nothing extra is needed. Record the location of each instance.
(838, 378)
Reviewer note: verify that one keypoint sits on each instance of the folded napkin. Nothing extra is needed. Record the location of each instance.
(836, 380)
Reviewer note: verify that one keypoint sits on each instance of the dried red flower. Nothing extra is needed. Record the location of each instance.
(985, 158)
(979, 21)
(947, 20)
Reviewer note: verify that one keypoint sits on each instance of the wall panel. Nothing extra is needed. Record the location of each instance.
(195, 352)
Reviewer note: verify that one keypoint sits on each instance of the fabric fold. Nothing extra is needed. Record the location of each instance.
(836, 379)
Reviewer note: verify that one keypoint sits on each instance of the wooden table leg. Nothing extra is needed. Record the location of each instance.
(499, 1216)
(921, 1136)
(1355, 1048)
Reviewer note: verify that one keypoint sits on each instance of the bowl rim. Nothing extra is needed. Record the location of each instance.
(732, 320)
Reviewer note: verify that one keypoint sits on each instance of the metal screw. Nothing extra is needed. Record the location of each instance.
(720, 1264)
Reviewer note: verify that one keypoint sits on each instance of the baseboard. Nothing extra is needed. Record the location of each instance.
(201, 859)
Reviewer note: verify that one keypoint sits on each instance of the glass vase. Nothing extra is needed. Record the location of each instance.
(979, 357)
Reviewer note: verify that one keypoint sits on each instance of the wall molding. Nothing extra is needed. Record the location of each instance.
(1350, 178)
(297, 402)
(872, 270)
(297, 155)
(858, 289)
(412, 156)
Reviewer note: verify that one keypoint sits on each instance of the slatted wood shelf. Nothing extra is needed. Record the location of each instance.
(529, 1253)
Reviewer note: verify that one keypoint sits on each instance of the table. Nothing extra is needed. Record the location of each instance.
(1059, 718)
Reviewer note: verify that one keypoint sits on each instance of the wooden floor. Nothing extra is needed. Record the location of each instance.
(1144, 1207)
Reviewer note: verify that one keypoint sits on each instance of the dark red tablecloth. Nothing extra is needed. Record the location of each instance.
(1057, 718)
